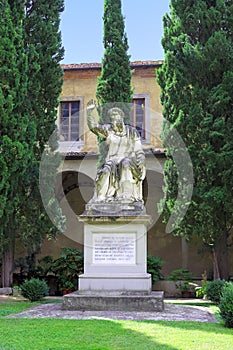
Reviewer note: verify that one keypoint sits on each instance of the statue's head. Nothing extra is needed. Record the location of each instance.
(117, 118)
(116, 112)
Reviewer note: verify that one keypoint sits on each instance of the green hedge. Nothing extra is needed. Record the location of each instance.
(214, 290)
(34, 289)
(226, 304)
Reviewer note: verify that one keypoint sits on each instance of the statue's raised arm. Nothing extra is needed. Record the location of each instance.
(97, 129)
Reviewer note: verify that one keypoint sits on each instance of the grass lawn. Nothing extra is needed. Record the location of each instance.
(45, 334)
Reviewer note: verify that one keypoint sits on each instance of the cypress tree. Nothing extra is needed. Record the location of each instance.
(197, 83)
(114, 83)
(30, 85)
(45, 51)
(15, 130)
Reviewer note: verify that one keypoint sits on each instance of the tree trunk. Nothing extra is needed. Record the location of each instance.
(8, 266)
(220, 258)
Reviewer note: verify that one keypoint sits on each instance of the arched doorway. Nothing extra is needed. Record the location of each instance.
(73, 190)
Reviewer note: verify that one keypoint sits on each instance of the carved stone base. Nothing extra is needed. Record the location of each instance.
(117, 302)
(122, 208)
(115, 253)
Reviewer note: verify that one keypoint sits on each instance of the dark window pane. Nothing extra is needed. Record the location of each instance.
(75, 106)
(69, 120)
(138, 116)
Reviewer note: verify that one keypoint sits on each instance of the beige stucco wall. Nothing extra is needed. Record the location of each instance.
(83, 82)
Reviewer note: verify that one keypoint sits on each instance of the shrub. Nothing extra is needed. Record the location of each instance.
(201, 290)
(68, 267)
(214, 290)
(226, 304)
(34, 289)
(183, 279)
(154, 266)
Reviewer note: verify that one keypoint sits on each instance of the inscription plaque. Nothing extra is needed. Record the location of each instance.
(114, 249)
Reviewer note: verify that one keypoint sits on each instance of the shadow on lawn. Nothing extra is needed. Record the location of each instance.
(121, 336)
(60, 334)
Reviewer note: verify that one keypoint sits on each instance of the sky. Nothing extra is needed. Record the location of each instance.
(82, 29)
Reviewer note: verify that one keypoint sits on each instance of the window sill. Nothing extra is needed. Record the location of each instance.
(70, 146)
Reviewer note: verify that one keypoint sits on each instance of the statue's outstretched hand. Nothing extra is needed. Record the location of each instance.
(91, 105)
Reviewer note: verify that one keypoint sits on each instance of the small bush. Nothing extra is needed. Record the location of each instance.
(226, 304)
(154, 266)
(34, 289)
(214, 290)
(201, 291)
(183, 279)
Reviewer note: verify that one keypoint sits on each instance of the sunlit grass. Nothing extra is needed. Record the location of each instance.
(44, 334)
(54, 334)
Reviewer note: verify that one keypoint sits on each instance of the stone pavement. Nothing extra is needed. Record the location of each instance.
(172, 312)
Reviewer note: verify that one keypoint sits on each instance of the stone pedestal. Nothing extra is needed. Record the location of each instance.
(115, 266)
(115, 254)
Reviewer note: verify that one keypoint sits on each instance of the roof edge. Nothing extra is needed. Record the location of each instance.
(96, 65)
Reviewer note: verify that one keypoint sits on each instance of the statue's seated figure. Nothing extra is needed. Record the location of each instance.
(120, 177)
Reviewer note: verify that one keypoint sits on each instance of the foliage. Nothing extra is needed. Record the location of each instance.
(226, 304)
(114, 82)
(183, 279)
(30, 84)
(197, 83)
(44, 266)
(214, 290)
(201, 290)
(17, 131)
(67, 267)
(34, 289)
(154, 266)
(25, 267)
(45, 51)
(28, 267)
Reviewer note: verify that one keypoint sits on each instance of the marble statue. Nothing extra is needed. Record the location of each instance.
(120, 177)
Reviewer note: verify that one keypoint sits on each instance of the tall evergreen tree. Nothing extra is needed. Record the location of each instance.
(17, 135)
(197, 96)
(31, 81)
(114, 83)
(45, 51)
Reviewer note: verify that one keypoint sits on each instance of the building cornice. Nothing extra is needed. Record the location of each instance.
(95, 65)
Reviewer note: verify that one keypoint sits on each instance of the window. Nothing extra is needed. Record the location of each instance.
(70, 120)
(138, 116)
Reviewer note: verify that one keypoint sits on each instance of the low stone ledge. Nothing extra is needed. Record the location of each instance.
(6, 291)
(77, 301)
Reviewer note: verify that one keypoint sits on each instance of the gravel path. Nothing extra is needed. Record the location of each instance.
(171, 313)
